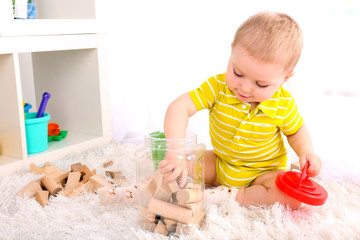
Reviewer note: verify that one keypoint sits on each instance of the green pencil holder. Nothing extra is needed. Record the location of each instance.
(36, 132)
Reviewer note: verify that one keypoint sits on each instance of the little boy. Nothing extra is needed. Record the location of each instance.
(249, 112)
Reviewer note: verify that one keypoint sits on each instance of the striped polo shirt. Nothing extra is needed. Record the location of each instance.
(247, 143)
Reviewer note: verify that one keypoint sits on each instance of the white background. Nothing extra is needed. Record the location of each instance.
(161, 49)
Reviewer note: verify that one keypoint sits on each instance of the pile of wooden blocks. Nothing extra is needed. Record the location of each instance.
(68, 183)
(167, 208)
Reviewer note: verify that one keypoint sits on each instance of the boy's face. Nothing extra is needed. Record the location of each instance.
(253, 81)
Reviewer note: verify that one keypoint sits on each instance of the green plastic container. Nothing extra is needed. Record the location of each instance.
(158, 147)
(36, 132)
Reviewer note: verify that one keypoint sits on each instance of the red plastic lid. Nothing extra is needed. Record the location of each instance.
(301, 187)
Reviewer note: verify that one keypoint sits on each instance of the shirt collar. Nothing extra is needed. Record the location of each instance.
(270, 106)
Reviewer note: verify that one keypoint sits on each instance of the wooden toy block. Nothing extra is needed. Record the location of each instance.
(185, 229)
(30, 189)
(149, 226)
(73, 192)
(52, 186)
(46, 169)
(108, 163)
(50, 169)
(170, 224)
(173, 186)
(169, 210)
(169, 221)
(76, 192)
(171, 228)
(190, 185)
(162, 191)
(151, 187)
(59, 176)
(99, 181)
(84, 169)
(198, 220)
(115, 174)
(62, 182)
(156, 187)
(118, 182)
(42, 197)
(87, 173)
(196, 207)
(147, 215)
(65, 192)
(188, 195)
(35, 169)
(151, 217)
(72, 181)
(147, 188)
(88, 186)
(161, 229)
(76, 167)
(295, 166)
(61, 186)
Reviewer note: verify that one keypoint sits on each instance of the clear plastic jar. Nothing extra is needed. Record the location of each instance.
(165, 207)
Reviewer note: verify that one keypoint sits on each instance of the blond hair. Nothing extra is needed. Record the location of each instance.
(271, 37)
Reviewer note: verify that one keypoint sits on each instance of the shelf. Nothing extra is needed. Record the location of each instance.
(61, 52)
(12, 129)
(55, 9)
(6, 160)
(47, 43)
(8, 165)
(74, 142)
(38, 27)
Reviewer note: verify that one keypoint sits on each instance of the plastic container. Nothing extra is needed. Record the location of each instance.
(27, 107)
(155, 141)
(165, 207)
(301, 187)
(36, 132)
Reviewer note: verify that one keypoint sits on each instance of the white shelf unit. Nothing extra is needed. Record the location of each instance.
(66, 45)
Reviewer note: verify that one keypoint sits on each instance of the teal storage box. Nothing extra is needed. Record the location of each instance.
(36, 132)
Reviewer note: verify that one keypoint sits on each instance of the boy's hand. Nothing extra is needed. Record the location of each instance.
(314, 164)
(175, 162)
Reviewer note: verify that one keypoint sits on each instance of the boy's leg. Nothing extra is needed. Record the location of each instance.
(220, 193)
(265, 192)
(210, 168)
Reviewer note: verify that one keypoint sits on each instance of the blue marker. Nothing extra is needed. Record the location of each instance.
(45, 98)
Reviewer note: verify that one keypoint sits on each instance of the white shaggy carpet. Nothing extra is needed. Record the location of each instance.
(83, 217)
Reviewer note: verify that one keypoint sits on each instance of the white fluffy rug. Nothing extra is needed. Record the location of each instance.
(83, 217)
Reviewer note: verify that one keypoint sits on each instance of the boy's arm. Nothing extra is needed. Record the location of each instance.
(301, 143)
(176, 121)
(177, 116)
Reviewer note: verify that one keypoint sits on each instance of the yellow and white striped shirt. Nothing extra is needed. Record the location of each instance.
(247, 143)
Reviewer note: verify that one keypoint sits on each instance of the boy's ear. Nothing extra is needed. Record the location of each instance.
(289, 75)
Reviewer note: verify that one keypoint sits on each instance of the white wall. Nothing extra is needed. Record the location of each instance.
(160, 49)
